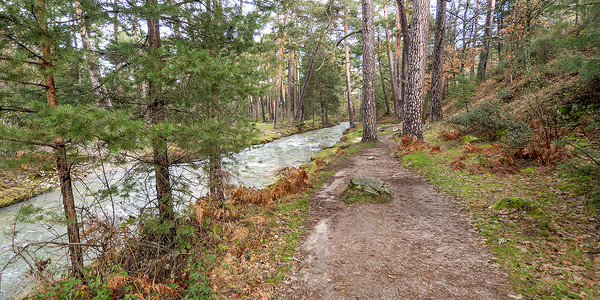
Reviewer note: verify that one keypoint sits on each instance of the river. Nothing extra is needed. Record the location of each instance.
(254, 167)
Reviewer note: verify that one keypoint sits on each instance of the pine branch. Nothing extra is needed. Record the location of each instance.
(17, 109)
(347, 36)
(23, 82)
(23, 61)
(24, 47)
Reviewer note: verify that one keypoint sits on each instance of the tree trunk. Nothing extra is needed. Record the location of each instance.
(487, 35)
(95, 78)
(472, 38)
(437, 72)
(116, 39)
(305, 84)
(322, 109)
(60, 152)
(403, 20)
(262, 109)
(347, 67)
(398, 69)
(280, 89)
(216, 180)
(385, 97)
(393, 78)
(288, 100)
(465, 42)
(296, 83)
(369, 109)
(157, 114)
(413, 105)
(142, 87)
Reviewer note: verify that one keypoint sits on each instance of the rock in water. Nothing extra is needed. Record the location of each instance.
(371, 185)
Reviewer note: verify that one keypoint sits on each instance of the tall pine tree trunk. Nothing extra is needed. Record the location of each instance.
(306, 81)
(413, 104)
(288, 100)
(393, 79)
(157, 114)
(398, 69)
(383, 89)
(369, 110)
(60, 152)
(403, 20)
(347, 69)
(437, 72)
(487, 35)
(98, 87)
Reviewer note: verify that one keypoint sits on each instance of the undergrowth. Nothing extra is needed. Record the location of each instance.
(543, 233)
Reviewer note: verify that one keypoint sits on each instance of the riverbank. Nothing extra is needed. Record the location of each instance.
(25, 182)
(270, 133)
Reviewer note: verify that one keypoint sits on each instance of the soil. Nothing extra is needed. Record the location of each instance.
(418, 246)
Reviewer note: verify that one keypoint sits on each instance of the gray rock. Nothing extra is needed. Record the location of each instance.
(371, 185)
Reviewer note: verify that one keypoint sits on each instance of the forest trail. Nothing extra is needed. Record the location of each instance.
(418, 246)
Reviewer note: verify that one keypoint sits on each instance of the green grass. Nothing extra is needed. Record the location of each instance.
(351, 196)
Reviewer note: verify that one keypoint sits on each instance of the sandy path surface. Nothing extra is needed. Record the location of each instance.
(418, 246)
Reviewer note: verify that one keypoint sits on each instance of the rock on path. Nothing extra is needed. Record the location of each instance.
(418, 246)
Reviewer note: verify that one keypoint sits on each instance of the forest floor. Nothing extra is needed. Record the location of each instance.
(418, 246)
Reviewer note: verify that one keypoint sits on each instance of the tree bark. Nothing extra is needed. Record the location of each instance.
(62, 164)
(288, 100)
(405, 46)
(385, 97)
(369, 109)
(297, 107)
(487, 35)
(347, 67)
(465, 42)
(437, 72)
(305, 84)
(413, 105)
(157, 114)
(393, 78)
(98, 87)
(398, 69)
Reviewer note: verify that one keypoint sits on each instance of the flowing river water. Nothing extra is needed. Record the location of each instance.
(254, 167)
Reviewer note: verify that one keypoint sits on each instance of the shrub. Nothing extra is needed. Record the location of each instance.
(484, 120)
(461, 90)
(489, 122)
(504, 95)
(544, 48)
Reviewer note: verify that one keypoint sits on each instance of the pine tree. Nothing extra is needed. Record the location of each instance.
(413, 103)
(369, 113)
(437, 72)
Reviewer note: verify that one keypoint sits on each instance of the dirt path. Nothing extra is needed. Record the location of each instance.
(419, 246)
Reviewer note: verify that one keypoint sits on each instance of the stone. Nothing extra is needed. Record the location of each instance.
(368, 184)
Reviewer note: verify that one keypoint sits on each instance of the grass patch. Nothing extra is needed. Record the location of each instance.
(351, 196)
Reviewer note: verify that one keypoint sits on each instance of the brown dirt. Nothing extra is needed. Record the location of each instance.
(418, 246)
